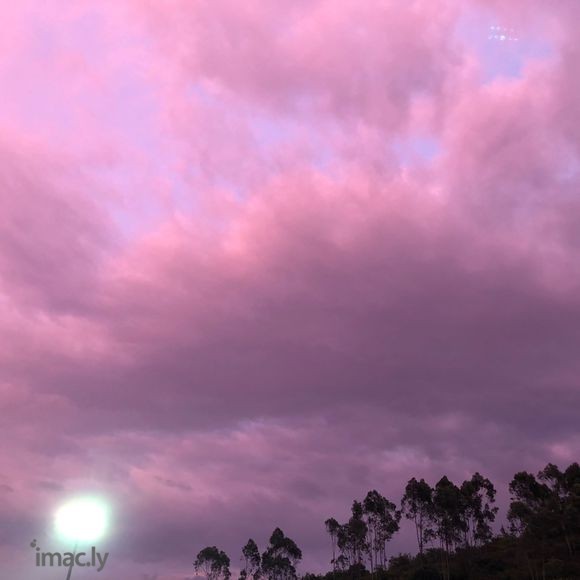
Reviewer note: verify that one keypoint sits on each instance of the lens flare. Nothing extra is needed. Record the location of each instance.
(82, 520)
(503, 34)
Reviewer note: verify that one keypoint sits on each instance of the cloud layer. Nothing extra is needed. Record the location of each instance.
(258, 259)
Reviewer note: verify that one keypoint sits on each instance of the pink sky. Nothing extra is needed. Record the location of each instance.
(259, 257)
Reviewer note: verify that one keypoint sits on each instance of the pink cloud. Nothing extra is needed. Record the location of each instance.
(225, 302)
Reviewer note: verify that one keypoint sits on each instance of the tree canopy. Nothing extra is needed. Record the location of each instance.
(455, 531)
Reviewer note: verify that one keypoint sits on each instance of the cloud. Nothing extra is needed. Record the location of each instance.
(226, 305)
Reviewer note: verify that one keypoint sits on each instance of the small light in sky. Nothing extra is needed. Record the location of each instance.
(84, 519)
(502, 34)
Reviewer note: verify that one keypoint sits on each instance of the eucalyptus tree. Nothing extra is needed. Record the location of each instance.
(252, 561)
(352, 538)
(531, 519)
(281, 557)
(382, 518)
(478, 494)
(564, 503)
(545, 513)
(417, 506)
(448, 519)
(333, 527)
(213, 563)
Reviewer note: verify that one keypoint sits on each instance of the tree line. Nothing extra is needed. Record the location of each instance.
(278, 560)
(454, 531)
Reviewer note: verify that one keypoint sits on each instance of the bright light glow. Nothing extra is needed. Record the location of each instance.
(82, 520)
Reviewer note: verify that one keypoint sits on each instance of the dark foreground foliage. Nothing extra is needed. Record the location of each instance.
(454, 531)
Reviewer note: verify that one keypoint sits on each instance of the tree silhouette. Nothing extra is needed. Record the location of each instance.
(478, 510)
(542, 541)
(252, 561)
(382, 520)
(352, 539)
(448, 518)
(417, 506)
(214, 563)
(333, 527)
(280, 558)
(564, 502)
(545, 511)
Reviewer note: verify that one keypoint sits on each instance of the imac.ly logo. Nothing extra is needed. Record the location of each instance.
(70, 559)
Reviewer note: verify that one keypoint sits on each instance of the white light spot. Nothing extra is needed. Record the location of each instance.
(502, 34)
(82, 520)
